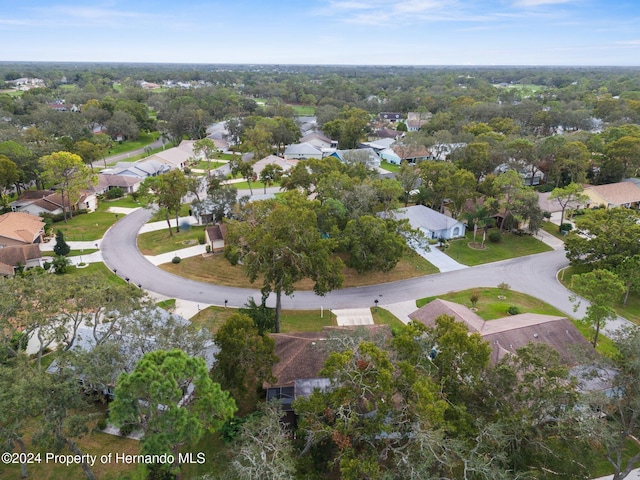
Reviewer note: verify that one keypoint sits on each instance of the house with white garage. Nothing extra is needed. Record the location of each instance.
(433, 224)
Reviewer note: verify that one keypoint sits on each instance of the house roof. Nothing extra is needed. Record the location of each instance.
(315, 136)
(302, 149)
(616, 193)
(380, 144)
(420, 216)
(302, 355)
(18, 254)
(20, 226)
(117, 180)
(216, 232)
(174, 157)
(273, 159)
(506, 335)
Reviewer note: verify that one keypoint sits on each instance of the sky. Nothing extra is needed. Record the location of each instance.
(342, 32)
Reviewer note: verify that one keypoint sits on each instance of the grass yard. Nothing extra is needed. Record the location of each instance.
(389, 167)
(554, 230)
(257, 186)
(143, 140)
(304, 110)
(216, 269)
(159, 241)
(159, 216)
(96, 270)
(204, 165)
(88, 226)
(511, 246)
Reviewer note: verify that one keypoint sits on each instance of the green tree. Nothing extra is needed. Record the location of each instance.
(282, 244)
(480, 216)
(603, 289)
(608, 236)
(244, 169)
(70, 173)
(245, 360)
(207, 149)
(372, 243)
(629, 272)
(565, 196)
(409, 177)
(270, 174)
(152, 396)
(167, 191)
(61, 247)
(9, 175)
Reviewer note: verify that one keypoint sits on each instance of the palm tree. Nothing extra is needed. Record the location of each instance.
(480, 217)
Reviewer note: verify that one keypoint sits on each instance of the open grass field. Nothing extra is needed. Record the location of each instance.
(389, 167)
(88, 226)
(216, 269)
(143, 140)
(510, 246)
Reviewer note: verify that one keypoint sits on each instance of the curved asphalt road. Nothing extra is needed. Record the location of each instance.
(534, 275)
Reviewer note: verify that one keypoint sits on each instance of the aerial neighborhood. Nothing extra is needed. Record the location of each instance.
(280, 272)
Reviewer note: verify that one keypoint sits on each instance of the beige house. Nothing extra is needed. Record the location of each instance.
(214, 236)
(621, 194)
(18, 228)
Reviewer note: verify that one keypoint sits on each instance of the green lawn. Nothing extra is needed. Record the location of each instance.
(510, 246)
(159, 241)
(143, 140)
(159, 216)
(96, 270)
(304, 110)
(88, 226)
(554, 230)
(389, 167)
(257, 186)
(204, 165)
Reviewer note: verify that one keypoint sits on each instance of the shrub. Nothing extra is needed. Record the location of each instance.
(513, 310)
(201, 239)
(175, 259)
(208, 248)
(547, 215)
(504, 286)
(495, 236)
(113, 193)
(60, 264)
(61, 247)
(566, 227)
(474, 298)
(102, 424)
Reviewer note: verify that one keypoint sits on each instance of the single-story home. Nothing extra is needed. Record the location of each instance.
(299, 151)
(14, 257)
(37, 202)
(506, 335)
(366, 156)
(302, 356)
(18, 228)
(319, 140)
(435, 225)
(620, 194)
(273, 159)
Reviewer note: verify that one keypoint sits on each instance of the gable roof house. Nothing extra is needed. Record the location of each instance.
(27, 256)
(410, 153)
(302, 356)
(18, 228)
(621, 194)
(506, 335)
(300, 151)
(433, 224)
(214, 236)
(390, 116)
(319, 140)
(174, 158)
(367, 156)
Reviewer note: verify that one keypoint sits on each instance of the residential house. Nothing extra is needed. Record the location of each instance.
(415, 120)
(441, 151)
(507, 335)
(378, 145)
(366, 156)
(411, 153)
(140, 169)
(38, 202)
(434, 225)
(18, 228)
(621, 194)
(174, 158)
(127, 183)
(385, 132)
(390, 116)
(16, 256)
(286, 165)
(301, 151)
(302, 356)
(214, 236)
(531, 175)
(319, 140)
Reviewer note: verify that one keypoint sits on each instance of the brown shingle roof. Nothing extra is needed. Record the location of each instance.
(302, 355)
(506, 335)
(18, 254)
(216, 232)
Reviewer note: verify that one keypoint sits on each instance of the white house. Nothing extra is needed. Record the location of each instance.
(433, 224)
(299, 151)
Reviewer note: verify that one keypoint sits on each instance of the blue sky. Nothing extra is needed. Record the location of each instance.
(362, 32)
